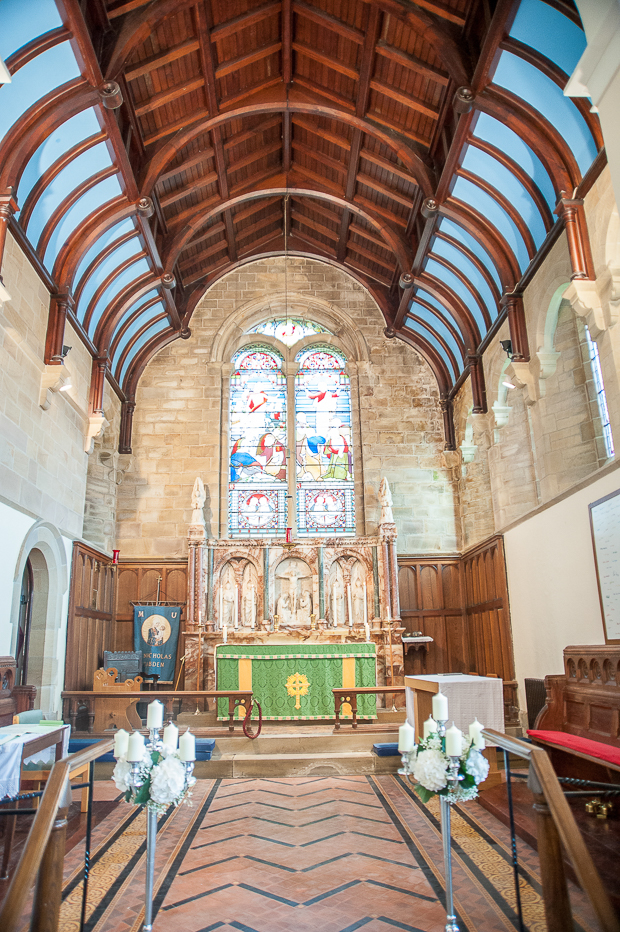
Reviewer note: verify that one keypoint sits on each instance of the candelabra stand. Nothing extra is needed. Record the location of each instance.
(136, 780)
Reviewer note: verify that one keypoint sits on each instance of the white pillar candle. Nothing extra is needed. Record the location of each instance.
(236, 606)
(367, 630)
(349, 606)
(430, 727)
(121, 743)
(440, 707)
(454, 741)
(187, 746)
(155, 714)
(135, 747)
(171, 736)
(406, 738)
(224, 633)
(475, 733)
(365, 606)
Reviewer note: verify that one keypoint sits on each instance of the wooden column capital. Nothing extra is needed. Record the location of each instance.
(571, 211)
(478, 387)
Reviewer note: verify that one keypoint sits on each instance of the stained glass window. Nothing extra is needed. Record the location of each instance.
(257, 444)
(323, 444)
(289, 330)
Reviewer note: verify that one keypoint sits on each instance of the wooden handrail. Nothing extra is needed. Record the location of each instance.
(39, 837)
(548, 795)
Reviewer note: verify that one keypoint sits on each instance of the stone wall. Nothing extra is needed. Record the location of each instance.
(42, 458)
(182, 405)
(106, 470)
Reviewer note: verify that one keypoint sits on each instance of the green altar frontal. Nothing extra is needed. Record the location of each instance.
(296, 681)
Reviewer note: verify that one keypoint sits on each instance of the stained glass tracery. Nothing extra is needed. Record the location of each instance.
(257, 444)
(289, 330)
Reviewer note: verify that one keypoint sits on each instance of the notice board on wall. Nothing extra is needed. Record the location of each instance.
(605, 524)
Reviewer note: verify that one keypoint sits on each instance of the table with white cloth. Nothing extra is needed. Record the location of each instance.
(469, 697)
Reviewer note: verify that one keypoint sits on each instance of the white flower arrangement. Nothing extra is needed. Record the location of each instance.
(164, 780)
(430, 768)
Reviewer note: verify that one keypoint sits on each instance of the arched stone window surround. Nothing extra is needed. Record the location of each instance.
(46, 548)
(232, 337)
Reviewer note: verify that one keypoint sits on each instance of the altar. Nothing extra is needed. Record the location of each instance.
(295, 681)
(320, 612)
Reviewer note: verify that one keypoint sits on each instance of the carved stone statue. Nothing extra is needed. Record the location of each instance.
(304, 608)
(385, 497)
(357, 599)
(284, 609)
(199, 498)
(249, 604)
(229, 595)
(337, 602)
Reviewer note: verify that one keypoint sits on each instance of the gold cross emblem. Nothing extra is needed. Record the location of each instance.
(297, 685)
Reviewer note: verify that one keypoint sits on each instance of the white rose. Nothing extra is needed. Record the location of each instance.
(121, 774)
(167, 781)
(430, 770)
(477, 765)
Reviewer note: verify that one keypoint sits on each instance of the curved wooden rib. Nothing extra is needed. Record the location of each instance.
(67, 203)
(88, 232)
(428, 352)
(264, 103)
(98, 260)
(104, 332)
(132, 376)
(396, 244)
(118, 367)
(467, 284)
(480, 266)
(118, 270)
(31, 50)
(37, 123)
(522, 176)
(503, 202)
(479, 227)
(454, 306)
(136, 29)
(412, 316)
(445, 321)
(128, 322)
(536, 131)
(53, 171)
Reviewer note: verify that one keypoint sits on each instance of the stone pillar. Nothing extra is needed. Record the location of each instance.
(321, 583)
(266, 584)
(375, 579)
(210, 585)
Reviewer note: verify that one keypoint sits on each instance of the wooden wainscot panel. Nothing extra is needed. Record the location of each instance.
(90, 626)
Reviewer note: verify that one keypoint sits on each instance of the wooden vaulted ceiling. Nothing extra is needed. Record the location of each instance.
(346, 130)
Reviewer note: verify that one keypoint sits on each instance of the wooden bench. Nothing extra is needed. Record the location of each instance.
(579, 726)
(348, 695)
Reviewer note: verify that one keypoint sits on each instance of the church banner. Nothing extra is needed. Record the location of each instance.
(156, 633)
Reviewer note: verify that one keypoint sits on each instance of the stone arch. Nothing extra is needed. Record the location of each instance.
(46, 549)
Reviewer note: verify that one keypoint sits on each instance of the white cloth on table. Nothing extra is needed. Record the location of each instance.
(469, 697)
(12, 740)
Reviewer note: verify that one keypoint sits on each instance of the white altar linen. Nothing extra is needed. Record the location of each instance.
(12, 741)
(469, 697)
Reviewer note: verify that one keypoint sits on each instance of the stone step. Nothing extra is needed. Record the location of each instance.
(300, 743)
(296, 765)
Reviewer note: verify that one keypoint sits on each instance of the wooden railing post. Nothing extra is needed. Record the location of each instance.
(48, 889)
(552, 873)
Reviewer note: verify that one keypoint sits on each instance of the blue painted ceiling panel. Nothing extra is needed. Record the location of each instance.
(79, 127)
(113, 290)
(462, 262)
(48, 70)
(540, 92)
(146, 336)
(462, 236)
(438, 325)
(501, 136)
(92, 199)
(456, 285)
(487, 167)
(119, 229)
(84, 166)
(431, 337)
(136, 325)
(549, 32)
(17, 29)
(123, 252)
(489, 208)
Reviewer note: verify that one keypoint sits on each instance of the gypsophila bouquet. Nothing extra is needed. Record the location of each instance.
(430, 767)
(164, 780)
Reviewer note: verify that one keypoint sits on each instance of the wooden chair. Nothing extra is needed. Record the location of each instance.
(39, 778)
(115, 713)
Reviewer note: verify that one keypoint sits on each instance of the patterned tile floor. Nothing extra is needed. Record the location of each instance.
(318, 854)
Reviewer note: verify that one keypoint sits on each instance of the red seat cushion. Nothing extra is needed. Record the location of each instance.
(605, 752)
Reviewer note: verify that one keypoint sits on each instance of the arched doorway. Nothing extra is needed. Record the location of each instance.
(23, 631)
(38, 674)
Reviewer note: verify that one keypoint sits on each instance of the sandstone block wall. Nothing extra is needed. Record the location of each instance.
(182, 404)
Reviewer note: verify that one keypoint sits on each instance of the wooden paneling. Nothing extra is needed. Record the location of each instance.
(137, 582)
(90, 626)
(462, 603)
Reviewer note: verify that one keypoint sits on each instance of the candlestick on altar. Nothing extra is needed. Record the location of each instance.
(288, 535)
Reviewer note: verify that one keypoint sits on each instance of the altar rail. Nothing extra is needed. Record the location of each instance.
(349, 694)
(556, 827)
(72, 699)
(42, 860)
